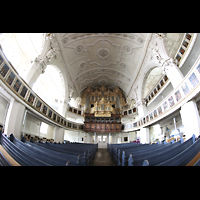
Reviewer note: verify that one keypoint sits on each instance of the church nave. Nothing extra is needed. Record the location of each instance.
(102, 158)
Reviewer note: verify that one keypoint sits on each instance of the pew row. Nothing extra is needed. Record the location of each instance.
(31, 154)
(169, 154)
(19, 155)
(4, 161)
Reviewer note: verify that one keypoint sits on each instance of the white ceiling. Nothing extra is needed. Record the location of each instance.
(95, 59)
(91, 59)
(21, 49)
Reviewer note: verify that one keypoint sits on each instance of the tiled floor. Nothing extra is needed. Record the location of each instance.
(102, 158)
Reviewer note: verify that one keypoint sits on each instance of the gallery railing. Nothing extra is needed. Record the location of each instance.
(179, 57)
(186, 90)
(16, 86)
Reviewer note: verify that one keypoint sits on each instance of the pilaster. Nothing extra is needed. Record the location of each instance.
(173, 72)
(190, 119)
(58, 134)
(14, 118)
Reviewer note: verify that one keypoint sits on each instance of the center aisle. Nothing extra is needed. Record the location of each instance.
(102, 158)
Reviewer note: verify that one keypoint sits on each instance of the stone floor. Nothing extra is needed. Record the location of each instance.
(102, 158)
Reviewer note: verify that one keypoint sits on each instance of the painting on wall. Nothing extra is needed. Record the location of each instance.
(165, 78)
(70, 124)
(198, 68)
(31, 98)
(188, 36)
(161, 82)
(38, 105)
(177, 95)
(171, 101)
(23, 92)
(147, 118)
(155, 113)
(165, 105)
(178, 57)
(193, 80)
(50, 113)
(158, 87)
(44, 110)
(17, 85)
(135, 124)
(1, 59)
(54, 116)
(159, 110)
(185, 44)
(4, 70)
(10, 78)
(182, 51)
(185, 88)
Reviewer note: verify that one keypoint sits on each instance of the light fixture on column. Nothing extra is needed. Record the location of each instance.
(162, 35)
(49, 36)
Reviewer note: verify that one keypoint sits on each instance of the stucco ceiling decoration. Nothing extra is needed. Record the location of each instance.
(97, 59)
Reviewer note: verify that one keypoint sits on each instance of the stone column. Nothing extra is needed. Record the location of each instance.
(58, 134)
(110, 138)
(190, 119)
(37, 68)
(95, 137)
(173, 72)
(144, 135)
(14, 118)
(140, 104)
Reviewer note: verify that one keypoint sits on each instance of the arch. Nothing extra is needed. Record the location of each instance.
(151, 65)
(21, 49)
(50, 87)
(150, 80)
(59, 65)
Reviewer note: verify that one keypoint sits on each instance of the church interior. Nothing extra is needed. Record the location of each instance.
(99, 99)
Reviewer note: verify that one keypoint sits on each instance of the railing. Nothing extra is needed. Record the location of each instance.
(16, 86)
(75, 110)
(179, 57)
(186, 90)
(130, 112)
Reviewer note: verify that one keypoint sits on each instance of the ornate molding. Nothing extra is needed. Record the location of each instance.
(103, 71)
(137, 38)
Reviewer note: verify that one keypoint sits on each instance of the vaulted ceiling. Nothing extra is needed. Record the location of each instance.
(90, 59)
(96, 59)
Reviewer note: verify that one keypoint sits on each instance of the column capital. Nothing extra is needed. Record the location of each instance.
(40, 64)
(141, 103)
(170, 62)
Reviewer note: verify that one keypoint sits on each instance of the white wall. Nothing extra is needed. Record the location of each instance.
(32, 127)
(3, 109)
(77, 136)
(119, 138)
(155, 133)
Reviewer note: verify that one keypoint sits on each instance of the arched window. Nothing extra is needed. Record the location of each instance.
(50, 87)
(21, 49)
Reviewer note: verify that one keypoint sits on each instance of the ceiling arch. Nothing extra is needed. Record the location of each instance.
(97, 59)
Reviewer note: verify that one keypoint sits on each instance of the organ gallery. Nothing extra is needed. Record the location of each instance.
(103, 109)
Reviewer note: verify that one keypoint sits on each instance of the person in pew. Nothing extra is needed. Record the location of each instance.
(1, 131)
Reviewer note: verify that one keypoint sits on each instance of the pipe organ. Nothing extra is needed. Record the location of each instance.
(102, 108)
